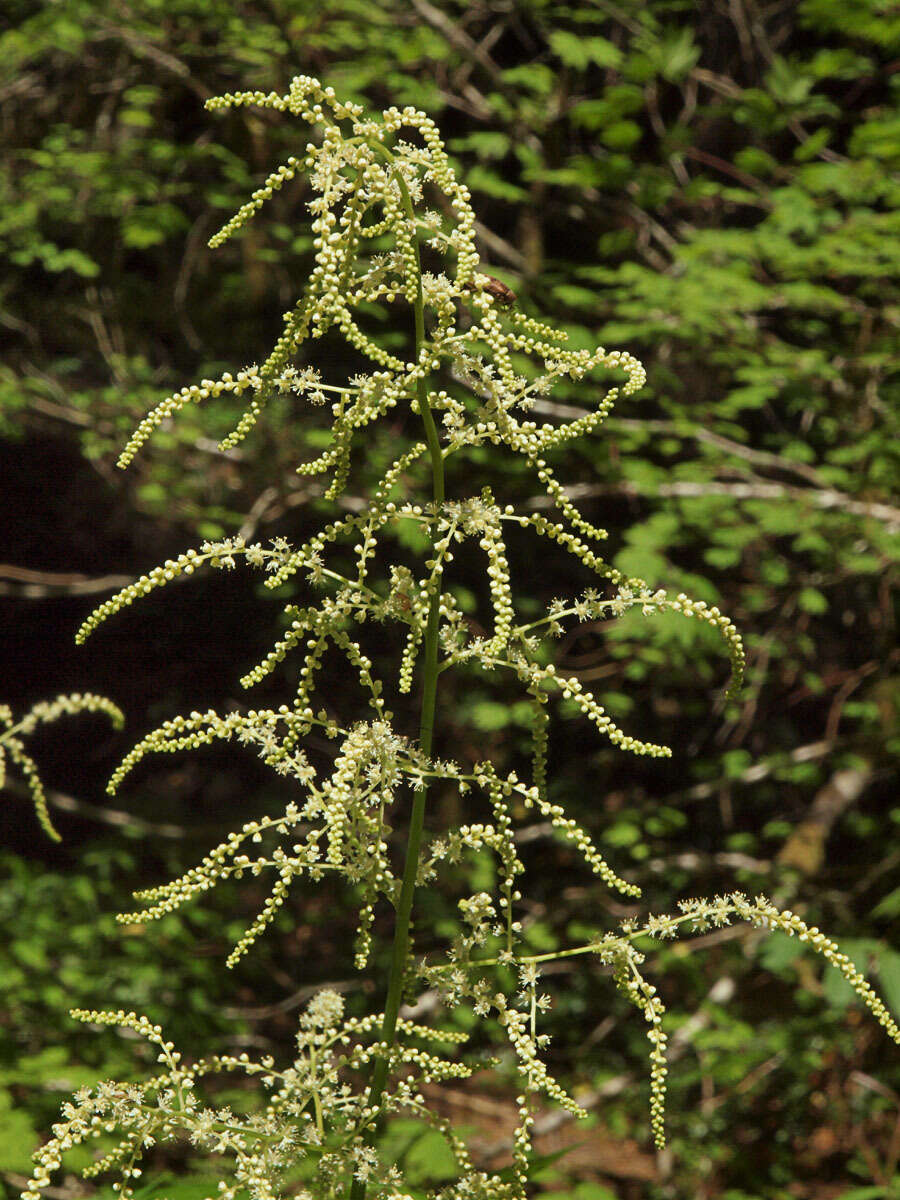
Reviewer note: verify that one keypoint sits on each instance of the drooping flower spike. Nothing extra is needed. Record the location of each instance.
(479, 363)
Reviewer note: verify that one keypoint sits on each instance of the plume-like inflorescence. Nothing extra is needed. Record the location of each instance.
(478, 365)
(12, 746)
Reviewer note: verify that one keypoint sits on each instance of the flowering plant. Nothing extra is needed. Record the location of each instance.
(12, 746)
(374, 179)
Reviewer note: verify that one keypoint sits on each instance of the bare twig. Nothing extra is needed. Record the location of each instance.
(841, 695)
(501, 247)
(692, 861)
(823, 496)
(146, 49)
(805, 848)
(35, 585)
(264, 1011)
(103, 814)
(727, 168)
(697, 432)
(457, 37)
(806, 753)
(717, 83)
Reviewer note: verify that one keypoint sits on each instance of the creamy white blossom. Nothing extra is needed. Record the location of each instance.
(376, 180)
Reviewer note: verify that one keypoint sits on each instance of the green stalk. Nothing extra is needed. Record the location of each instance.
(400, 953)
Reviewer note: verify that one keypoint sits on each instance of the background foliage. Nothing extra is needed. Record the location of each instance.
(712, 186)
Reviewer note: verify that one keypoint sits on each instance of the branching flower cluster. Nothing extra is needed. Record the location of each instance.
(311, 1112)
(384, 192)
(12, 745)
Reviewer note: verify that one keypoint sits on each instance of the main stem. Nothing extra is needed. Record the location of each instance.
(400, 953)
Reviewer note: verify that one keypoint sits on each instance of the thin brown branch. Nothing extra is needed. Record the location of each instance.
(820, 498)
(804, 850)
(457, 37)
(697, 432)
(823, 496)
(805, 753)
(289, 1003)
(501, 247)
(726, 168)
(146, 49)
(101, 813)
(35, 585)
